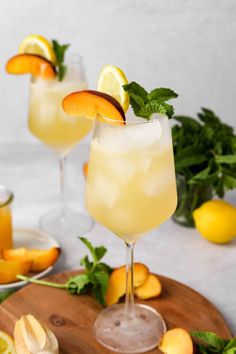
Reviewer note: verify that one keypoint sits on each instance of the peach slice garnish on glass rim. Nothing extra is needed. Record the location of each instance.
(94, 105)
(41, 259)
(31, 64)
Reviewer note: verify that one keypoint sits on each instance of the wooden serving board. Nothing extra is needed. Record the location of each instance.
(71, 317)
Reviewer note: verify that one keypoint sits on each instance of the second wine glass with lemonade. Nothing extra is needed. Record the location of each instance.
(130, 189)
(53, 77)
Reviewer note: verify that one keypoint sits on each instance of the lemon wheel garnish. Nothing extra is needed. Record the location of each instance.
(6, 344)
(35, 44)
(110, 81)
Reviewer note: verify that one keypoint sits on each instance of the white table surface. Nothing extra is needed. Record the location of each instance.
(31, 171)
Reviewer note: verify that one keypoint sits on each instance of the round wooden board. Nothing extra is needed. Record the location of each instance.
(71, 317)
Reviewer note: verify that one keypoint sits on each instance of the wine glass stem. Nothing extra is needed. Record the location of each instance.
(129, 299)
(62, 161)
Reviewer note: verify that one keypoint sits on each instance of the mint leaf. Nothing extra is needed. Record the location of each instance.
(202, 175)
(78, 284)
(144, 104)
(100, 252)
(100, 285)
(210, 338)
(86, 263)
(189, 123)
(136, 103)
(60, 51)
(208, 116)
(161, 94)
(229, 182)
(136, 89)
(230, 351)
(103, 267)
(61, 72)
(88, 244)
(189, 156)
(155, 106)
(229, 159)
(230, 348)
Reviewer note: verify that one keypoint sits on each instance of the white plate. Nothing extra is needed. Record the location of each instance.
(31, 238)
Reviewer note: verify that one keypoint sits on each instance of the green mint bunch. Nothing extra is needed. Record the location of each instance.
(211, 343)
(60, 50)
(205, 151)
(144, 104)
(94, 279)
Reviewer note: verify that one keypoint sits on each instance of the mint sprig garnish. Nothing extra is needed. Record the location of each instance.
(59, 50)
(94, 279)
(144, 104)
(211, 343)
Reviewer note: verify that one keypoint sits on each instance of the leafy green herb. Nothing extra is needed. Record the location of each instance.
(205, 157)
(144, 104)
(94, 279)
(60, 50)
(211, 343)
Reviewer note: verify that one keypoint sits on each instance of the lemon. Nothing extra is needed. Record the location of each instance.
(6, 344)
(110, 81)
(216, 221)
(35, 44)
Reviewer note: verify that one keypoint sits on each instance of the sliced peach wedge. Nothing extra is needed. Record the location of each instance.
(41, 259)
(10, 269)
(149, 289)
(176, 341)
(31, 64)
(94, 105)
(117, 282)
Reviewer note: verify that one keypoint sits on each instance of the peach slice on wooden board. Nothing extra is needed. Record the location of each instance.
(149, 289)
(41, 259)
(94, 105)
(31, 64)
(117, 282)
(10, 269)
(176, 341)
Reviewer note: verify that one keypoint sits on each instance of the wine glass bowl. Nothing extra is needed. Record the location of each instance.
(52, 126)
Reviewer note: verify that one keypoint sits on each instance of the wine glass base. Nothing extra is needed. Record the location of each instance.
(66, 222)
(139, 334)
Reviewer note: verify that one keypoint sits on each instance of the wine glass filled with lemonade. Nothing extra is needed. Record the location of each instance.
(53, 77)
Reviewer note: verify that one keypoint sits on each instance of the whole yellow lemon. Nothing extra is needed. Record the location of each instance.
(216, 221)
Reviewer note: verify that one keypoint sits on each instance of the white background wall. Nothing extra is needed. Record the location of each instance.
(187, 45)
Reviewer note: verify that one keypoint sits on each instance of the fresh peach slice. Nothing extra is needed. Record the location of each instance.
(31, 64)
(10, 269)
(151, 288)
(117, 282)
(176, 341)
(94, 104)
(41, 259)
(85, 169)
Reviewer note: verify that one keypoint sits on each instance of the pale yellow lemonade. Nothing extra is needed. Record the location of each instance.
(131, 185)
(47, 120)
